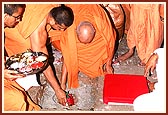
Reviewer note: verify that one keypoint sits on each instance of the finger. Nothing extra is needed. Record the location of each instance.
(146, 71)
(15, 72)
(110, 71)
(62, 102)
(152, 70)
(12, 71)
(17, 75)
(105, 72)
(22, 75)
(59, 101)
(13, 79)
(145, 74)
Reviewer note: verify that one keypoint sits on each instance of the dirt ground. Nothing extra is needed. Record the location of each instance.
(89, 96)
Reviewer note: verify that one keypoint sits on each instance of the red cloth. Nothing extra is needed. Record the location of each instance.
(122, 88)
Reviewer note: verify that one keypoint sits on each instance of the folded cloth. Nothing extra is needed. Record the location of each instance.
(28, 81)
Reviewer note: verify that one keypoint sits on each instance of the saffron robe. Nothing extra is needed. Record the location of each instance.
(16, 99)
(146, 29)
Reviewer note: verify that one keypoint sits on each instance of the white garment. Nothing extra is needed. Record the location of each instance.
(156, 100)
(28, 81)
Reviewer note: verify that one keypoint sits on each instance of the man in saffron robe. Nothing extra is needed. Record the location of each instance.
(87, 58)
(37, 20)
(145, 32)
(12, 16)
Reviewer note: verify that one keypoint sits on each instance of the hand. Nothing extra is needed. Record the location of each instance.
(12, 75)
(151, 86)
(61, 96)
(151, 64)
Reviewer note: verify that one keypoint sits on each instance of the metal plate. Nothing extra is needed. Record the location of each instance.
(28, 62)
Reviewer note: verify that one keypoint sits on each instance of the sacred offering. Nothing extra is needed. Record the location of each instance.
(70, 99)
(28, 62)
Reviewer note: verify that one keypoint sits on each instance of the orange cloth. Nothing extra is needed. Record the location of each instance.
(146, 29)
(87, 58)
(17, 41)
(18, 98)
(126, 9)
(56, 34)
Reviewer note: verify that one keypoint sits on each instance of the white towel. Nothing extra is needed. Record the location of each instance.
(28, 81)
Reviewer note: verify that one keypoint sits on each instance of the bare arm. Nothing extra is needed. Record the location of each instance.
(109, 68)
(64, 76)
(38, 43)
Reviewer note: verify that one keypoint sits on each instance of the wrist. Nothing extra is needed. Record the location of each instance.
(58, 89)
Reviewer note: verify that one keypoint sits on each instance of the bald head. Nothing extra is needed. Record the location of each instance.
(85, 32)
